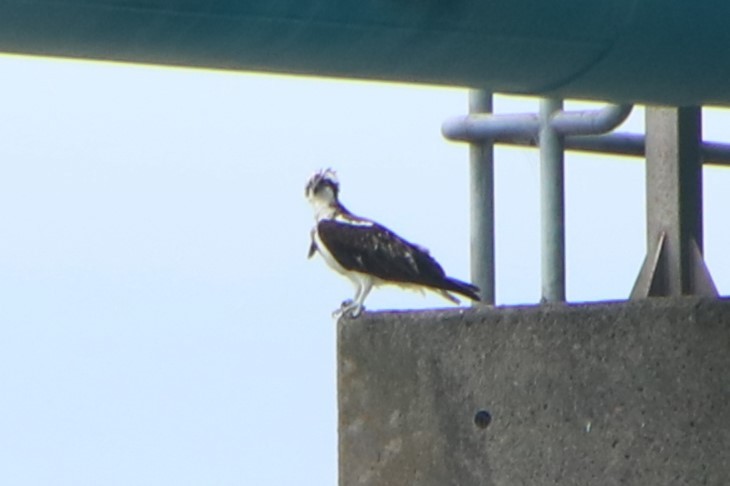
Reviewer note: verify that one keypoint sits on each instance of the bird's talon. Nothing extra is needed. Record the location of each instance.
(355, 312)
(350, 308)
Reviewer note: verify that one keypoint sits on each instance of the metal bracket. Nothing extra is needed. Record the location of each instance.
(674, 264)
(654, 281)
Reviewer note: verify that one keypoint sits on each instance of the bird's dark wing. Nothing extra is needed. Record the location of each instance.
(375, 250)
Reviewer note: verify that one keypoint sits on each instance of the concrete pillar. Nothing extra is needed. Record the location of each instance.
(629, 393)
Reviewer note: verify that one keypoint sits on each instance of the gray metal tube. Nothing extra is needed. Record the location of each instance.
(627, 144)
(715, 153)
(485, 127)
(526, 125)
(481, 181)
(590, 122)
(552, 204)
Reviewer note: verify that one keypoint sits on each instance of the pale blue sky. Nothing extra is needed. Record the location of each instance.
(159, 320)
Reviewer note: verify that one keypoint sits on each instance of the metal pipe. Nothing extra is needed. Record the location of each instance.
(477, 128)
(616, 143)
(626, 144)
(552, 203)
(590, 122)
(481, 190)
(715, 153)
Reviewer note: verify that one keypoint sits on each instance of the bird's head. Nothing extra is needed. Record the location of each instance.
(322, 190)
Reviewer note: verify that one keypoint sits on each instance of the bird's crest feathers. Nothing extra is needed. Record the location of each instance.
(320, 179)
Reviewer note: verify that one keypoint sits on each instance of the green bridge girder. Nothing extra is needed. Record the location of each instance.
(656, 51)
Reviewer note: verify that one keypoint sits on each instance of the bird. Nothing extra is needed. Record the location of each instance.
(368, 253)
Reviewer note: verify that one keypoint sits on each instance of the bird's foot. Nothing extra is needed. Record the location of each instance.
(356, 311)
(348, 306)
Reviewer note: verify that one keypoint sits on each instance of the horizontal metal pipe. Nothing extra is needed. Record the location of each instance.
(715, 153)
(590, 122)
(477, 128)
(627, 144)
(580, 129)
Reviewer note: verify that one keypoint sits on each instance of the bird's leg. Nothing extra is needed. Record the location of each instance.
(357, 306)
(349, 304)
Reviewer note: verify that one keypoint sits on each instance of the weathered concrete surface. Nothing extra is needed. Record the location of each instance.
(634, 393)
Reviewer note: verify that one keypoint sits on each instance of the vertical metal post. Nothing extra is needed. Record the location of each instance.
(481, 177)
(552, 204)
(674, 264)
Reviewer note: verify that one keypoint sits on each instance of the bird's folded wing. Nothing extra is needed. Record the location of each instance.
(375, 250)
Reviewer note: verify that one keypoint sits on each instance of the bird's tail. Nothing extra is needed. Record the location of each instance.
(461, 288)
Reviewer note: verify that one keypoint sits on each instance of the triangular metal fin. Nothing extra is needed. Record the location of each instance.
(701, 282)
(651, 281)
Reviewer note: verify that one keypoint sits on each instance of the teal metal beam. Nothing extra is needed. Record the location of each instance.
(621, 50)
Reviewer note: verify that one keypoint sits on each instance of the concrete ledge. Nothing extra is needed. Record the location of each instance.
(634, 393)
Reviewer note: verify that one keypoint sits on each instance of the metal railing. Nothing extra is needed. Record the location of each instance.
(554, 130)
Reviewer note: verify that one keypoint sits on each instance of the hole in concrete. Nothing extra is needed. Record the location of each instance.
(482, 419)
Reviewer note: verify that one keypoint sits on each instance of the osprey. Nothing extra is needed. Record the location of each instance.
(368, 253)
